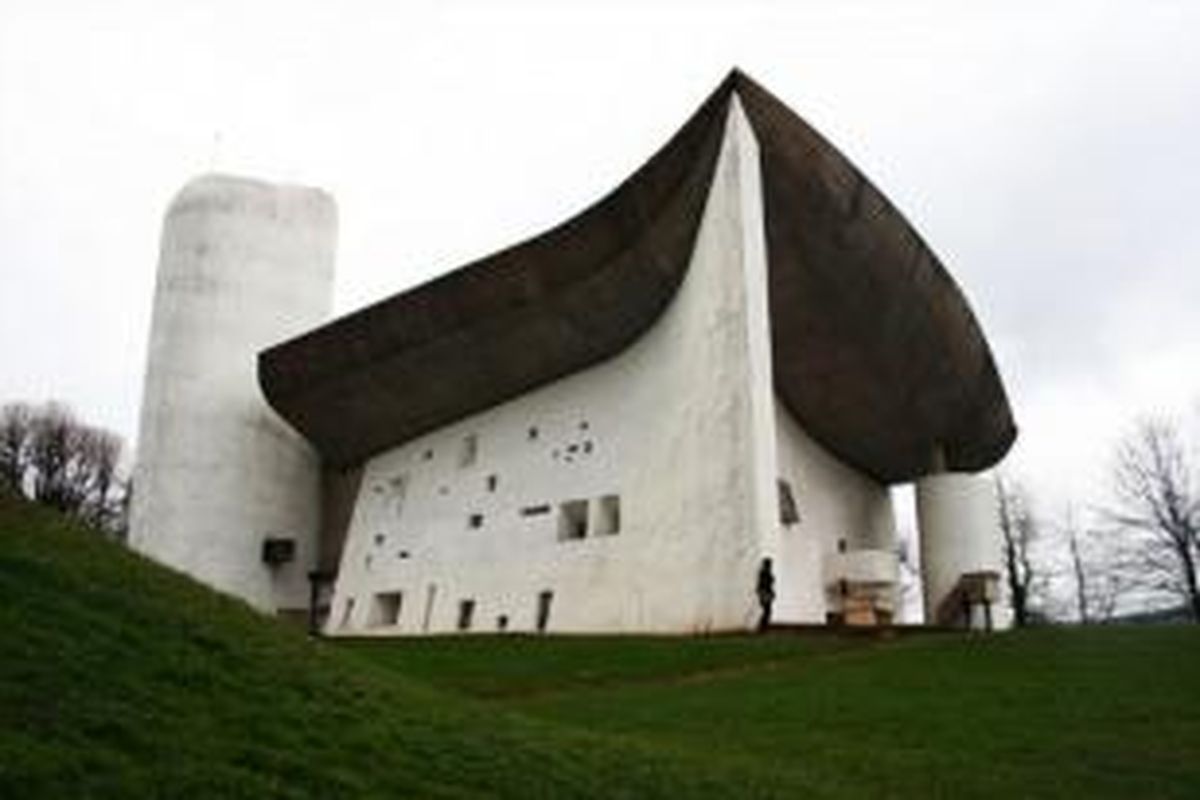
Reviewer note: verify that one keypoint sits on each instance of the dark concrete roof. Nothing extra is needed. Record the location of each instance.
(875, 349)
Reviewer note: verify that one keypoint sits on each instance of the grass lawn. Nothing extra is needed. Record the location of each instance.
(121, 679)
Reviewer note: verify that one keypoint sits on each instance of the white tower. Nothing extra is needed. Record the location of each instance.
(224, 490)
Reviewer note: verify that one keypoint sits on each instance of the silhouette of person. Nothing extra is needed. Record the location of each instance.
(765, 589)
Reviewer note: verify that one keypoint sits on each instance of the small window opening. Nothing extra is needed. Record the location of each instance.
(502, 623)
(572, 520)
(277, 551)
(386, 611)
(399, 486)
(466, 610)
(574, 448)
(533, 433)
(428, 456)
(380, 539)
(430, 597)
(608, 515)
(841, 545)
(583, 426)
(587, 446)
(543, 610)
(469, 452)
(403, 554)
(788, 513)
(492, 481)
(475, 521)
(347, 610)
(533, 511)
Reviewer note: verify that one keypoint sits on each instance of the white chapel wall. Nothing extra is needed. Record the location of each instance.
(678, 427)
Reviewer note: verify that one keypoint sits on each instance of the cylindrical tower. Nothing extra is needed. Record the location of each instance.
(222, 484)
(960, 549)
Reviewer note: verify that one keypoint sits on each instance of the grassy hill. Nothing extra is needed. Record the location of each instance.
(121, 679)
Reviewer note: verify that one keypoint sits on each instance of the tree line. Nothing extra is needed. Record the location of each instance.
(1141, 550)
(52, 458)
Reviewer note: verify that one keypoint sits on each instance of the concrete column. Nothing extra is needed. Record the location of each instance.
(959, 531)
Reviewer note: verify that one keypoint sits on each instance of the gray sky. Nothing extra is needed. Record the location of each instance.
(1049, 152)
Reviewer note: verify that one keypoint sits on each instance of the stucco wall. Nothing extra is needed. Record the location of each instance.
(243, 264)
(679, 427)
(834, 501)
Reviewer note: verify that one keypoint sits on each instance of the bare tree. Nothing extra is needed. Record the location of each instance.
(1158, 503)
(53, 453)
(51, 457)
(16, 430)
(95, 475)
(1080, 574)
(1019, 528)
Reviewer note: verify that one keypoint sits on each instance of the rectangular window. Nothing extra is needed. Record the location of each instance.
(399, 487)
(430, 597)
(475, 521)
(608, 516)
(278, 551)
(469, 452)
(543, 610)
(386, 611)
(466, 610)
(788, 513)
(533, 511)
(572, 520)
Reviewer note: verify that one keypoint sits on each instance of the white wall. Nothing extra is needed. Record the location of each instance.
(834, 502)
(680, 426)
(243, 265)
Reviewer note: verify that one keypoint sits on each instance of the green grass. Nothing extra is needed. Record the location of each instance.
(122, 679)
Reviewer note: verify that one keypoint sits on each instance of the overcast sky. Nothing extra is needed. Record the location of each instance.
(1049, 152)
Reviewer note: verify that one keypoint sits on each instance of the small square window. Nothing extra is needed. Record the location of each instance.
(533, 433)
(475, 521)
(385, 613)
(572, 520)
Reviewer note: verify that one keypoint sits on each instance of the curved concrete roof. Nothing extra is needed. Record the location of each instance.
(875, 349)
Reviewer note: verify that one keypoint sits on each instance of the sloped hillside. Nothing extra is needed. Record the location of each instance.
(121, 679)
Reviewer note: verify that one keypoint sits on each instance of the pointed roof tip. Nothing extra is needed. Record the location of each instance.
(737, 80)
(738, 76)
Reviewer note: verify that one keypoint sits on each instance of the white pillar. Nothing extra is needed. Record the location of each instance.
(243, 265)
(959, 532)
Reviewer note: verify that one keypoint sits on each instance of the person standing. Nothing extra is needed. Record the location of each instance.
(765, 589)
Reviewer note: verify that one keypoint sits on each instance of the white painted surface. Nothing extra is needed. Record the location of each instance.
(679, 427)
(835, 502)
(959, 533)
(879, 567)
(243, 265)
